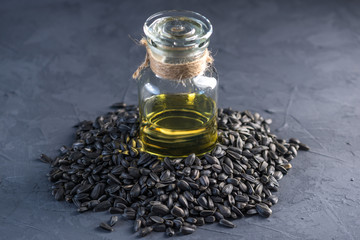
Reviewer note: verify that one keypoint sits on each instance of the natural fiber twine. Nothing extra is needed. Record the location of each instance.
(178, 71)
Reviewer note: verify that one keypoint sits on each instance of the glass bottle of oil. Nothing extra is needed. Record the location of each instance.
(178, 117)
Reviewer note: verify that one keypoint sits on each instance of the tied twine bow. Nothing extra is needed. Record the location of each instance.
(176, 71)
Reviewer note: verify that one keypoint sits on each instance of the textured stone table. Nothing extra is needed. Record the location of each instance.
(297, 62)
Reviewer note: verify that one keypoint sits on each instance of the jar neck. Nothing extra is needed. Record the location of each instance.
(177, 55)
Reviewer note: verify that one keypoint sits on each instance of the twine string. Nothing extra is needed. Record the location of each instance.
(174, 71)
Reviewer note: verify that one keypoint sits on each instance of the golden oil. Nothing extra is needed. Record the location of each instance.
(175, 125)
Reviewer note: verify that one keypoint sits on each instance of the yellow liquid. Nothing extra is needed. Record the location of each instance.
(175, 125)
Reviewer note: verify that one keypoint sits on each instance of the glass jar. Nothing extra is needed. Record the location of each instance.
(178, 116)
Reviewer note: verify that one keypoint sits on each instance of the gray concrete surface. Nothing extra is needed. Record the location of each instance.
(65, 61)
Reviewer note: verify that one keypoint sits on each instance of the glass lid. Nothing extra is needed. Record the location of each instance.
(177, 30)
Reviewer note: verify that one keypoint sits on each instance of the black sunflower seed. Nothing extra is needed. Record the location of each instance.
(225, 211)
(135, 191)
(237, 211)
(145, 231)
(160, 209)
(170, 232)
(159, 227)
(102, 206)
(205, 213)
(227, 189)
(60, 194)
(114, 210)
(187, 230)
(177, 212)
(303, 147)
(106, 227)
(137, 225)
(190, 160)
(157, 219)
(263, 210)
(210, 219)
(203, 202)
(242, 198)
(113, 220)
(204, 180)
(226, 223)
(183, 202)
(273, 199)
(183, 185)
(248, 177)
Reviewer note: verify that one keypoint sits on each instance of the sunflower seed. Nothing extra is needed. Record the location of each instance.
(157, 219)
(226, 223)
(159, 227)
(114, 210)
(187, 230)
(102, 206)
(145, 231)
(113, 220)
(210, 219)
(211, 159)
(135, 191)
(225, 211)
(182, 200)
(203, 202)
(237, 211)
(303, 147)
(106, 227)
(188, 195)
(177, 212)
(273, 199)
(251, 211)
(137, 225)
(60, 194)
(170, 232)
(204, 180)
(263, 210)
(227, 189)
(205, 213)
(189, 161)
(183, 185)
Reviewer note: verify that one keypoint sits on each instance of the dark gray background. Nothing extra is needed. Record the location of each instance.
(65, 61)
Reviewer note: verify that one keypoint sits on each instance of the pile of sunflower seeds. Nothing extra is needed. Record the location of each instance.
(105, 170)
